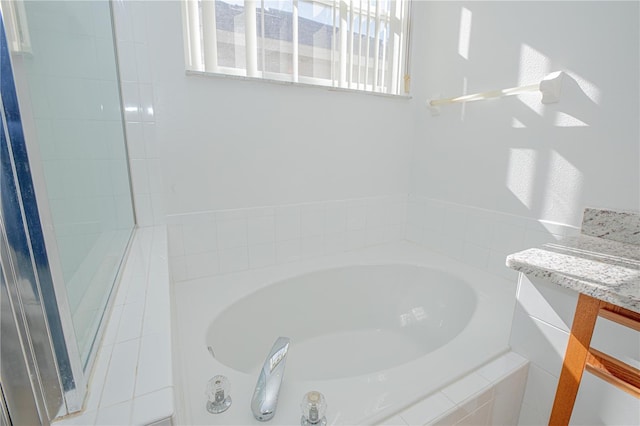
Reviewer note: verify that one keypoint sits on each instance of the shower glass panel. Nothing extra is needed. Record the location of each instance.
(68, 58)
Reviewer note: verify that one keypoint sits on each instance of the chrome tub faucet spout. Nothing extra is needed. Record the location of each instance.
(265, 396)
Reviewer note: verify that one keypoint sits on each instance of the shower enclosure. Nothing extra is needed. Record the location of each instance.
(66, 211)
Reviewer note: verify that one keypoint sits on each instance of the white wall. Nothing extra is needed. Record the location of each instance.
(136, 81)
(234, 144)
(495, 177)
(485, 180)
(220, 143)
(516, 155)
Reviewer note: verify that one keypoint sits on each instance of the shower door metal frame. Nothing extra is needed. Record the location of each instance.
(44, 340)
(80, 368)
(24, 398)
(72, 370)
(29, 368)
(5, 420)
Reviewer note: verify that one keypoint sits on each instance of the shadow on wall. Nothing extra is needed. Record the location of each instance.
(517, 155)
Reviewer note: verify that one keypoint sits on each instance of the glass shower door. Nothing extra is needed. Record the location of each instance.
(64, 62)
(71, 74)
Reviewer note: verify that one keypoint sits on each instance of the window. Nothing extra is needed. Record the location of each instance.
(353, 44)
(16, 27)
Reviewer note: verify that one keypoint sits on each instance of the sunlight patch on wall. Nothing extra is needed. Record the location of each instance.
(565, 120)
(564, 189)
(521, 174)
(517, 124)
(592, 91)
(464, 36)
(534, 66)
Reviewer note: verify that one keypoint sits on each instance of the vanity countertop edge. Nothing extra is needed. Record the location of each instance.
(601, 268)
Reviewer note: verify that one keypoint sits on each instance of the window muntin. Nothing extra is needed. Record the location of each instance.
(354, 44)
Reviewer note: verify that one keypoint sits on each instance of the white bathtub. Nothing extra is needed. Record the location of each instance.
(374, 331)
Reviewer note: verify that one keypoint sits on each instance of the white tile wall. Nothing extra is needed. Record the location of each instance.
(476, 236)
(131, 382)
(210, 243)
(491, 395)
(139, 111)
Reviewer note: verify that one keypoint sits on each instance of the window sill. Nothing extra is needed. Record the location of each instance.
(291, 83)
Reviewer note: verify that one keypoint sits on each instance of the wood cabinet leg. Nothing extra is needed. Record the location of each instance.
(575, 358)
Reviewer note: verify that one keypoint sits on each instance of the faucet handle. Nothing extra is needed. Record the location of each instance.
(217, 392)
(313, 408)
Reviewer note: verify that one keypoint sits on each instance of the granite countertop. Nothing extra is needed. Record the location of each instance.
(605, 269)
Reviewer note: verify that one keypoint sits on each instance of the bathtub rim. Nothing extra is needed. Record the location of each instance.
(242, 298)
(402, 252)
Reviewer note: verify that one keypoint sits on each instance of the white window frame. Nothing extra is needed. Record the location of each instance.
(201, 45)
(16, 26)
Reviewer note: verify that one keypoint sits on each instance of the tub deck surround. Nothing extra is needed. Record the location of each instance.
(131, 382)
(365, 397)
(491, 395)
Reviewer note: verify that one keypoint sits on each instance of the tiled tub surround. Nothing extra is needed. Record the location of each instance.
(131, 382)
(216, 242)
(491, 395)
(544, 316)
(478, 237)
(138, 98)
(366, 398)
